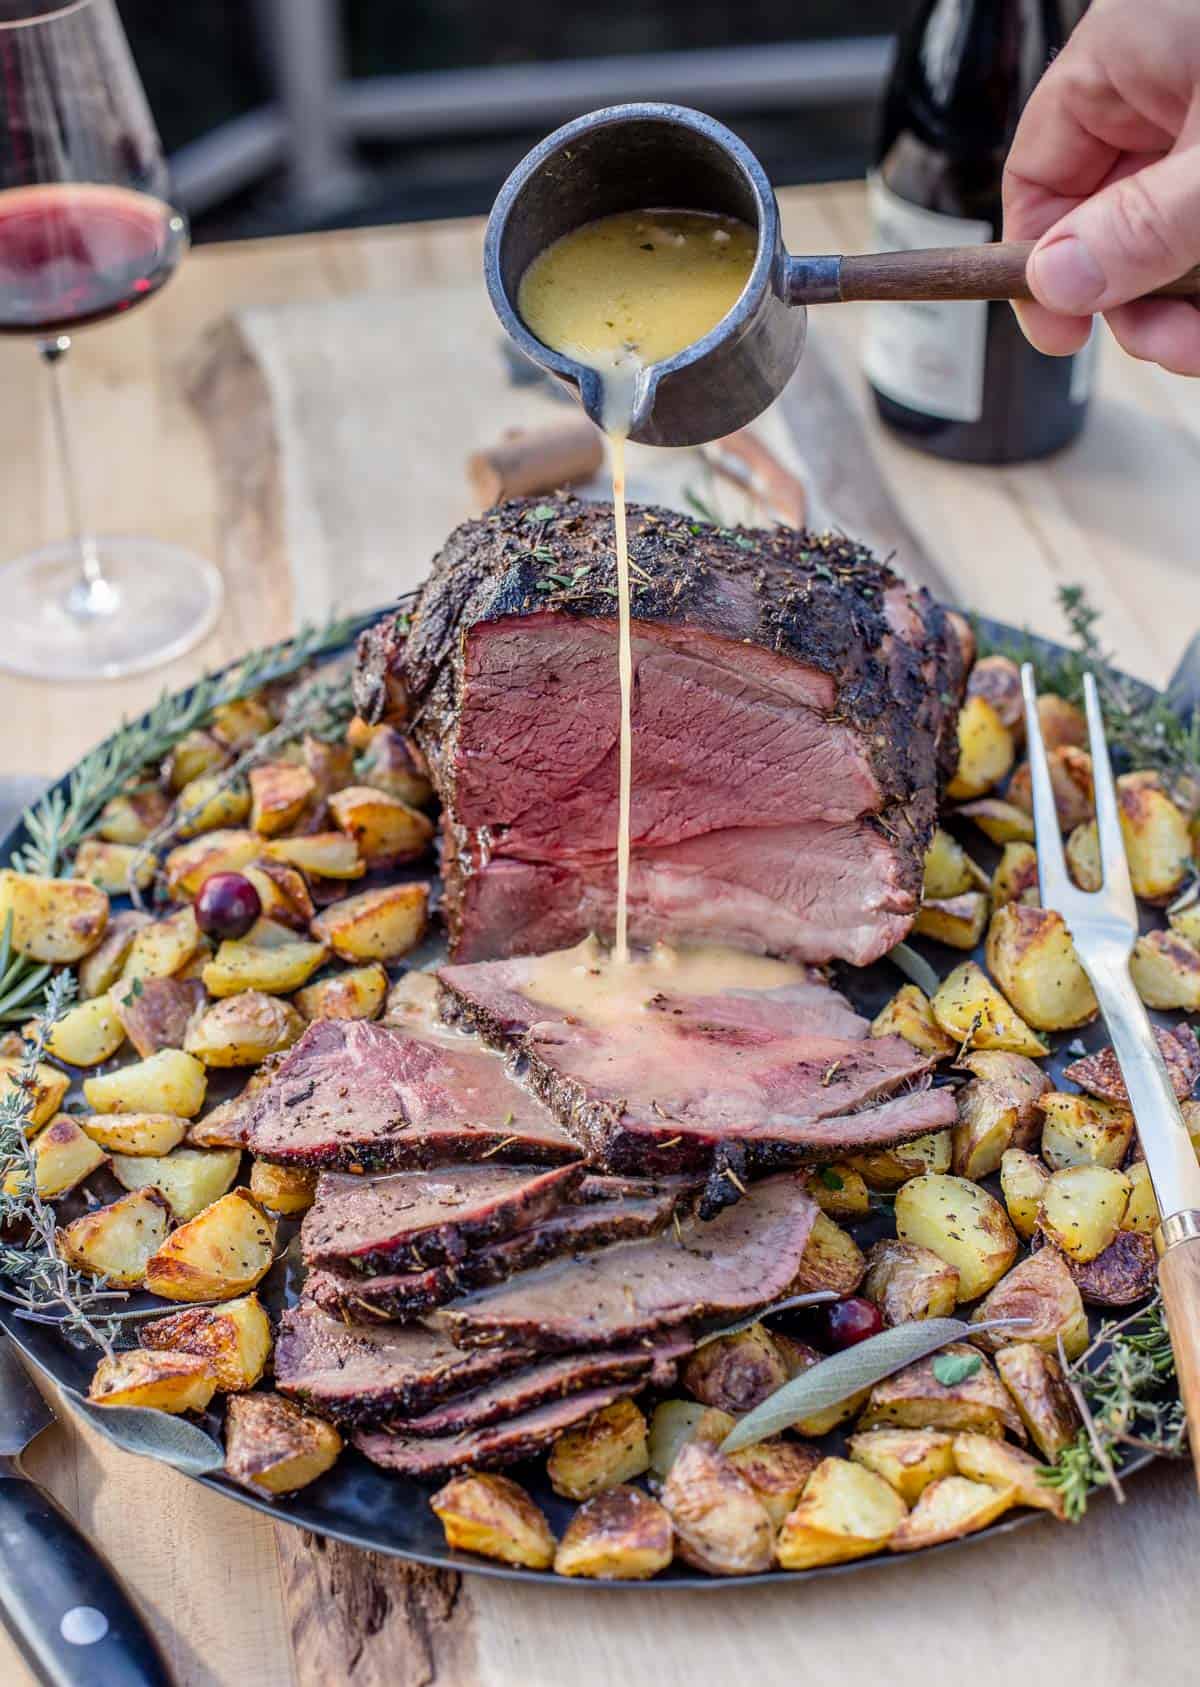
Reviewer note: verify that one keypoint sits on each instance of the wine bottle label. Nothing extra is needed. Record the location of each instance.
(929, 354)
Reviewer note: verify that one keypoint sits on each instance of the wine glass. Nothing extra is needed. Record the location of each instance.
(86, 233)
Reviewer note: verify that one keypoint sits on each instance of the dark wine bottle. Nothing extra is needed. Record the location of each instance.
(960, 379)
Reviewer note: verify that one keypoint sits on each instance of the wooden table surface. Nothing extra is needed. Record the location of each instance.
(1111, 1602)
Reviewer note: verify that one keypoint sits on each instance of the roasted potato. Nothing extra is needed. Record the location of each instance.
(799, 1356)
(88, 1033)
(1082, 1208)
(62, 1157)
(958, 921)
(388, 763)
(243, 964)
(1041, 1291)
(116, 1241)
(386, 830)
(675, 1422)
(286, 1190)
(283, 893)
(242, 1030)
(983, 1459)
(962, 1224)
(155, 1012)
(914, 1398)
(949, 870)
(274, 1444)
(279, 793)
(1083, 856)
(1062, 723)
(168, 1382)
(1032, 959)
(189, 864)
(413, 1001)
(225, 1252)
(1166, 971)
(1023, 1180)
(234, 1338)
(910, 1016)
(358, 993)
(99, 971)
(113, 867)
(131, 817)
(224, 1126)
(888, 1168)
(908, 1282)
(163, 948)
(1157, 841)
(167, 1082)
(1071, 779)
(997, 1110)
(375, 925)
(607, 1448)
(1100, 1073)
(1142, 1212)
(999, 680)
(1185, 923)
(969, 1006)
(985, 749)
(52, 919)
(494, 1517)
(211, 803)
(1016, 876)
(735, 1372)
(621, 1535)
(1035, 1383)
(840, 1190)
(847, 1512)
(1122, 1273)
(832, 1260)
(322, 855)
(1002, 822)
(196, 753)
(241, 723)
(777, 1472)
(48, 1089)
(907, 1459)
(331, 765)
(1080, 1131)
(721, 1525)
(949, 1509)
(135, 1133)
(190, 1179)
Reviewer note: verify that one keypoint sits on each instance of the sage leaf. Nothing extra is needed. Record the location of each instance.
(831, 1179)
(951, 1368)
(915, 968)
(818, 1297)
(153, 1434)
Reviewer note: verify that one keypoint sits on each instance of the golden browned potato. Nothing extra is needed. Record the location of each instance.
(721, 1525)
(390, 764)
(1062, 723)
(286, 1190)
(735, 1372)
(1023, 1180)
(997, 1110)
(62, 1157)
(495, 1518)
(1032, 959)
(48, 1090)
(1000, 821)
(999, 680)
(1122, 1273)
(386, 830)
(322, 855)
(1185, 923)
(169, 1382)
(279, 792)
(196, 753)
(331, 765)
(969, 1006)
(189, 1178)
(209, 804)
(168, 1082)
(949, 1509)
(910, 1016)
(799, 1356)
(1083, 856)
(1071, 779)
(112, 867)
(1166, 971)
(915, 1398)
(135, 1133)
(1042, 1291)
(1082, 1208)
(52, 919)
(888, 1168)
(88, 1033)
(621, 1535)
(358, 993)
(117, 1240)
(240, 724)
(242, 1030)
(1080, 1131)
(949, 870)
(907, 1282)
(1157, 841)
(607, 1448)
(413, 1001)
(99, 971)
(189, 864)
(777, 1471)
(675, 1422)
(163, 948)
(234, 1338)
(1141, 1213)
(840, 1190)
(1036, 1385)
(375, 925)
(1016, 876)
(847, 1512)
(242, 964)
(832, 1260)
(274, 1444)
(962, 1224)
(985, 750)
(225, 1252)
(958, 922)
(907, 1459)
(131, 817)
(282, 892)
(983, 1459)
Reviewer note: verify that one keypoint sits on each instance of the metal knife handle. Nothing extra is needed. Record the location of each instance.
(1179, 1280)
(61, 1601)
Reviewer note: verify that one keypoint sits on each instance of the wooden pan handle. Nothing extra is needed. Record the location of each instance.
(1179, 1280)
(995, 271)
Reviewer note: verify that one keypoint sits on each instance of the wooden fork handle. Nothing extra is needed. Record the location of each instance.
(995, 271)
(1179, 1280)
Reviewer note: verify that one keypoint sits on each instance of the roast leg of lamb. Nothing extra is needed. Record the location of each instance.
(793, 722)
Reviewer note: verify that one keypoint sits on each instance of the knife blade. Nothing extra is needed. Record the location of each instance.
(61, 1601)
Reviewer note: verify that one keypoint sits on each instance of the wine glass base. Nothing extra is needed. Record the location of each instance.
(154, 602)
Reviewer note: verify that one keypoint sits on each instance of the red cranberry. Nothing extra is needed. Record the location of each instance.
(850, 1321)
(227, 906)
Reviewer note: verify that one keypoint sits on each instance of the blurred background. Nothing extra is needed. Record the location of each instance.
(283, 115)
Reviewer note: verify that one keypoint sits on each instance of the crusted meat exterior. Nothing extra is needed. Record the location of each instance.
(518, 1438)
(800, 654)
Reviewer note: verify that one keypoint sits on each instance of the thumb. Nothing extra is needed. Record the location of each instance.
(1134, 235)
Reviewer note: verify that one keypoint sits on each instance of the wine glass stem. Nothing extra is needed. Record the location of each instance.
(92, 594)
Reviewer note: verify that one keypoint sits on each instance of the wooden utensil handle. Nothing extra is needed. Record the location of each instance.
(1179, 1280)
(995, 271)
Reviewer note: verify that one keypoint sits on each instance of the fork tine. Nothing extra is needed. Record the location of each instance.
(1052, 866)
(1114, 862)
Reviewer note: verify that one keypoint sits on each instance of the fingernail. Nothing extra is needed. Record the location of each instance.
(1066, 277)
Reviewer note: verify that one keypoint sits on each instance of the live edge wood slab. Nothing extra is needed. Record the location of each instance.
(182, 443)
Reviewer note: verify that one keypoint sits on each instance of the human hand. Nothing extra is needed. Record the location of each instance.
(1104, 173)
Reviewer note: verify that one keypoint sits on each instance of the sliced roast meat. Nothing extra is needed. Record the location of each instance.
(573, 1230)
(355, 1096)
(496, 1444)
(744, 1259)
(1100, 1074)
(418, 1219)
